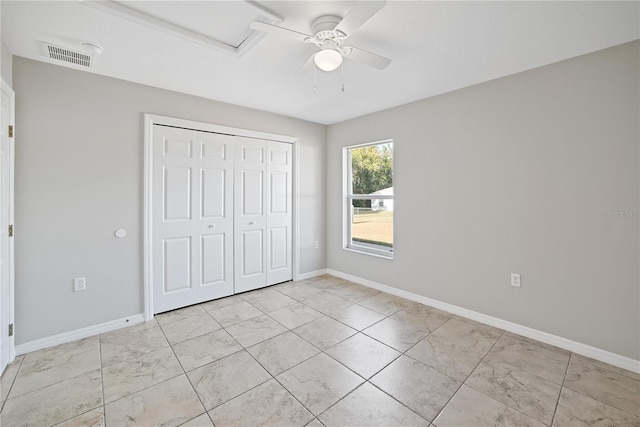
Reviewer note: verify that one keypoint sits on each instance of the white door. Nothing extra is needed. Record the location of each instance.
(250, 214)
(7, 352)
(192, 217)
(279, 189)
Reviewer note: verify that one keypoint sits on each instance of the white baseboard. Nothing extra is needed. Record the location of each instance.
(309, 275)
(567, 344)
(78, 334)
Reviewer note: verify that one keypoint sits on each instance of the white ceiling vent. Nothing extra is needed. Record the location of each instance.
(67, 55)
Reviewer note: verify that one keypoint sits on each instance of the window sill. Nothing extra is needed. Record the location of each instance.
(373, 254)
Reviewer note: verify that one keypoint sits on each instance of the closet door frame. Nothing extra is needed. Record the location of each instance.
(152, 119)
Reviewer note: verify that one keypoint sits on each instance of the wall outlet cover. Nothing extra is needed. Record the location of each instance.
(515, 280)
(79, 284)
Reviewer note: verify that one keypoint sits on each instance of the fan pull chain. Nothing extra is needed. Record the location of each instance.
(342, 73)
(315, 79)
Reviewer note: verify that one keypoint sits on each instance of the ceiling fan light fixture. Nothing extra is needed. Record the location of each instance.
(328, 59)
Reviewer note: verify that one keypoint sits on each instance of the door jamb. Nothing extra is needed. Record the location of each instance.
(4, 87)
(154, 119)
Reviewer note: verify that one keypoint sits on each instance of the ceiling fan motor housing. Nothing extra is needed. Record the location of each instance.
(324, 28)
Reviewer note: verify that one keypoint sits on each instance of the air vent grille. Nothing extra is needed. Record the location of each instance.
(67, 55)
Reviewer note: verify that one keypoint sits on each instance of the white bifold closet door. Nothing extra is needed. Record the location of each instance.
(192, 217)
(279, 219)
(221, 215)
(262, 213)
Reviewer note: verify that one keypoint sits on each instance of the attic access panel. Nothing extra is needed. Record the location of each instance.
(220, 24)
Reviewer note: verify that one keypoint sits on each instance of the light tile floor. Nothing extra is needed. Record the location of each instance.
(318, 352)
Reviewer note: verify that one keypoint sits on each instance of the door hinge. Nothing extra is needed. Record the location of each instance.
(10, 131)
(11, 329)
(11, 230)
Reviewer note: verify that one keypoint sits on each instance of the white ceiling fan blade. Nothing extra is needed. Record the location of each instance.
(367, 58)
(269, 28)
(306, 67)
(361, 13)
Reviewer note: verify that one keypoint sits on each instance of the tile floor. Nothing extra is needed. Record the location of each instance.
(318, 352)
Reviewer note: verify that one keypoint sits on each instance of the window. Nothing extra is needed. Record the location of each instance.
(369, 198)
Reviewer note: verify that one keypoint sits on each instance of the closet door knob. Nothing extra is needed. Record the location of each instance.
(251, 222)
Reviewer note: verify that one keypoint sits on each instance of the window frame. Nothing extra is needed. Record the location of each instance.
(379, 251)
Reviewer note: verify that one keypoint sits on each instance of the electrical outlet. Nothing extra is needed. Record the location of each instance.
(515, 280)
(317, 245)
(79, 284)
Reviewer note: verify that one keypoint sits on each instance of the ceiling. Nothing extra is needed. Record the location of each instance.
(206, 48)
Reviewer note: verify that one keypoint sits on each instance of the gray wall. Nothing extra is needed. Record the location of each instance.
(6, 63)
(79, 176)
(515, 175)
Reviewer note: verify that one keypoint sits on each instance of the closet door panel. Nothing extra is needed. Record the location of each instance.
(279, 216)
(192, 217)
(250, 214)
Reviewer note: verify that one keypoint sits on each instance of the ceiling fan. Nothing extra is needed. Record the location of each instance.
(330, 33)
